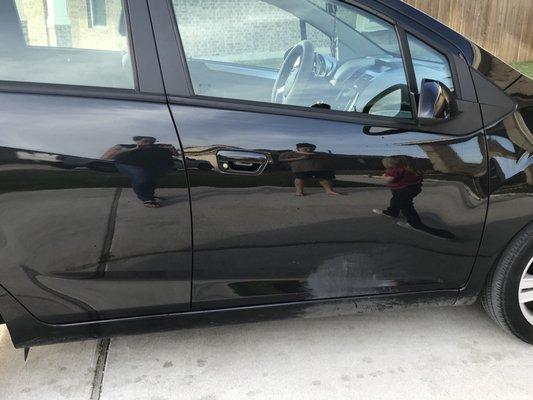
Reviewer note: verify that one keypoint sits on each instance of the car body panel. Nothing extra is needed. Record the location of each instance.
(27, 331)
(256, 242)
(76, 243)
(244, 268)
(510, 147)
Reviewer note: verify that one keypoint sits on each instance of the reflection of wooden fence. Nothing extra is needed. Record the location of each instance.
(503, 27)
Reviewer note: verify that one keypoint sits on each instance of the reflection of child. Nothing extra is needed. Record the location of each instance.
(405, 184)
(307, 164)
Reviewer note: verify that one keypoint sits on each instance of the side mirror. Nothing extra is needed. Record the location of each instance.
(436, 103)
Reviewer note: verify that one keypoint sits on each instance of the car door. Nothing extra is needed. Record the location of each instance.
(86, 137)
(339, 111)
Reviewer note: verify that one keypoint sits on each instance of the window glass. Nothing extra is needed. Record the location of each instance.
(243, 32)
(393, 103)
(302, 52)
(429, 63)
(58, 41)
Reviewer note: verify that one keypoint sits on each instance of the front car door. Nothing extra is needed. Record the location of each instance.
(86, 138)
(273, 100)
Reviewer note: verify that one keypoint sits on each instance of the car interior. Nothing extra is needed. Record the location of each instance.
(357, 73)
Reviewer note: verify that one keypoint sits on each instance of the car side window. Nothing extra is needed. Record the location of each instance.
(81, 43)
(308, 53)
(429, 63)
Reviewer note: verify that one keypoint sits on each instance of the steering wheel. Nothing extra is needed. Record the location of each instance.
(295, 73)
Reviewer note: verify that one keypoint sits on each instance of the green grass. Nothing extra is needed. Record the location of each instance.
(526, 67)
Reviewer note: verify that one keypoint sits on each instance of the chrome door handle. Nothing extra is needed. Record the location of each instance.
(241, 162)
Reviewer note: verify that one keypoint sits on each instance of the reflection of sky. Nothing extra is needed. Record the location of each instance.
(511, 167)
(203, 126)
(469, 152)
(79, 127)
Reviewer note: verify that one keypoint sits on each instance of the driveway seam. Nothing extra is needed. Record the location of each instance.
(102, 349)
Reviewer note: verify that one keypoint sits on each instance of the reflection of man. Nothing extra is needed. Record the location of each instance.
(144, 163)
(307, 164)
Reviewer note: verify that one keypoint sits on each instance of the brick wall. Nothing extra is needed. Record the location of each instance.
(255, 32)
(245, 29)
(78, 34)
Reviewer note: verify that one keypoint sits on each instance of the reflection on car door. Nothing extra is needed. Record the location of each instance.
(288, 203)
(94, 206)
(257, 242)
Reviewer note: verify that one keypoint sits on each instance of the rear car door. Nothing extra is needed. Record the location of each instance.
(272, 99)
(86, 138)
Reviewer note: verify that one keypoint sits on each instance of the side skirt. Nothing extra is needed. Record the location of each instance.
(27, 331)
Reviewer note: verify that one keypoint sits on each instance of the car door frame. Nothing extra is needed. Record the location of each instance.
(179, 87)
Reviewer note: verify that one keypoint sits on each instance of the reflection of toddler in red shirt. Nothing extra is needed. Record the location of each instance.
(405, 184)
(399, 177)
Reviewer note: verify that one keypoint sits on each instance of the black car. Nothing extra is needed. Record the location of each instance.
(167, 164)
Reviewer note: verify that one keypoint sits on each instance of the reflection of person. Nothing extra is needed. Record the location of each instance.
(144, 163)
(405, 183)
(306, 164)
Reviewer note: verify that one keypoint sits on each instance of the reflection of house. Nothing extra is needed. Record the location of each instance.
(72, 23)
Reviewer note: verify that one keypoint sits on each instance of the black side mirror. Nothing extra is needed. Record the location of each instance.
(437, 103)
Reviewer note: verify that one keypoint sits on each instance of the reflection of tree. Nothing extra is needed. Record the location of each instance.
(512, 140)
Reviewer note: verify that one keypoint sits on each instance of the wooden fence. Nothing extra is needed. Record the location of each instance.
(503, 27)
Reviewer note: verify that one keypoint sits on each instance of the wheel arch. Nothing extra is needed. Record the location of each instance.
(486, 263)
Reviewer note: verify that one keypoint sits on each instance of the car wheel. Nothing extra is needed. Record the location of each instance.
(508, 292)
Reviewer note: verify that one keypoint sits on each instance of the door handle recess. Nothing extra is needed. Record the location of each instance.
(241, 162)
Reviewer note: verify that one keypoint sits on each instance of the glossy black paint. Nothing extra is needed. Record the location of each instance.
(80, 258)
(510, 146)
(256, 242)
(75, 244)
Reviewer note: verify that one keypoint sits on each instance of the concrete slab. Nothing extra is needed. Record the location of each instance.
(431, 353)
(54, 372)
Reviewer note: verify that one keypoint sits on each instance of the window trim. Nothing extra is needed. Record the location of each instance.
(451, 63)
(55, 89)
(295, 111)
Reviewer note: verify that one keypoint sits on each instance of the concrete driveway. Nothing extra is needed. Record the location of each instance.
(428, 353)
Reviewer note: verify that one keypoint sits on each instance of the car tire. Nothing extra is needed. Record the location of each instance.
(503, 295)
